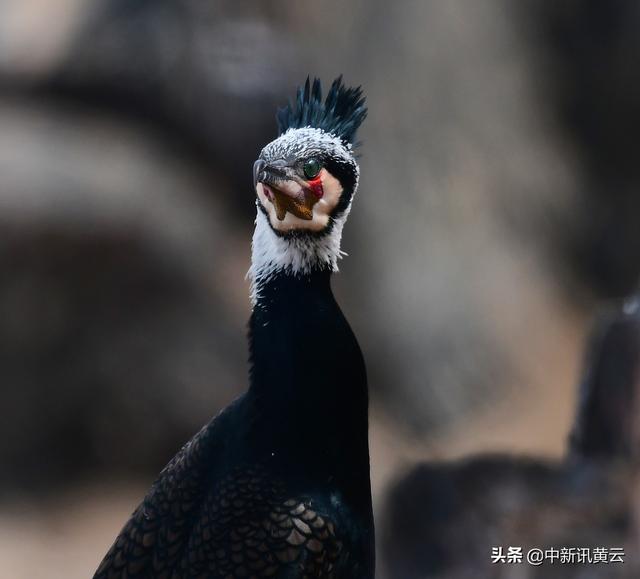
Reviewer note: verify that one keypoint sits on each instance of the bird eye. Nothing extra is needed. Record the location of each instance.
(311, 168)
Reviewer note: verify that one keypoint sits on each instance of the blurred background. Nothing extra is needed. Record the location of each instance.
(498, 213)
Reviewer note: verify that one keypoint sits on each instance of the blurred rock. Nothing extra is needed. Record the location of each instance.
(443, 520)
(35, 35)
(588, 50)
(120, 333)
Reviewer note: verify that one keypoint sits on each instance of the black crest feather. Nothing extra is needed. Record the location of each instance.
(341, 113)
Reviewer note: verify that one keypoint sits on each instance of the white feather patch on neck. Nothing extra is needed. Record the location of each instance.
(271, 253)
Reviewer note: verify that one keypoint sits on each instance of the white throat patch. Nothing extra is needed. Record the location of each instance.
(271, 253)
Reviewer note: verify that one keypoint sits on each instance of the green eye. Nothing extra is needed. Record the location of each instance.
(311, 168)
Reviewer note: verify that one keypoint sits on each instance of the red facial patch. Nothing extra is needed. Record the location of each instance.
(315, 186)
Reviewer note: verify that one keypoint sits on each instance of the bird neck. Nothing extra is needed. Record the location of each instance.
(274, 255)
(305, 359)
(292, 326)
(285, 288)
(308, 385)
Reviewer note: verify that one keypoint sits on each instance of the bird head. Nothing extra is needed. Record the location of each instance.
(305, 179)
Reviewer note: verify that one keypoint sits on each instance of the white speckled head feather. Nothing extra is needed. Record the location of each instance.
(307, 140)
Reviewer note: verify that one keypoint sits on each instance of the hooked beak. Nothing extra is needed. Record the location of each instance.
(258, 168)
(286, 192)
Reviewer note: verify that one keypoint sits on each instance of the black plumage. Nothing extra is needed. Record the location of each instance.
(277, 485)
(340, 114)
(606, 426)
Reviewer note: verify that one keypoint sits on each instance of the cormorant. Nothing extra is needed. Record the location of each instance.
(606, 424)
(277, 485)
(442, 519)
